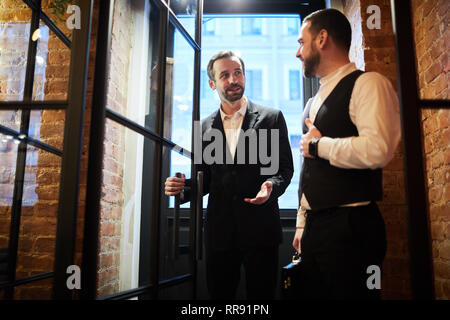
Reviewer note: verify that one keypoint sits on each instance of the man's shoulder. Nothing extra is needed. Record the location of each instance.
(373, 77)
(209, 118)
(371, 83)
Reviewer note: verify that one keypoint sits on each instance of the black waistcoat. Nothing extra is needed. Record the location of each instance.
(327, 186)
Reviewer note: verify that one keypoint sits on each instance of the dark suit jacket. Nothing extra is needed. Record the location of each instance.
(230, 221)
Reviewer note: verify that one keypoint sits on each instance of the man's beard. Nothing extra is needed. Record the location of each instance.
(233, 96)
(310, 64)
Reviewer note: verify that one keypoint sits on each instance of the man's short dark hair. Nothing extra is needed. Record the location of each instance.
(336, 24)
(222, 55)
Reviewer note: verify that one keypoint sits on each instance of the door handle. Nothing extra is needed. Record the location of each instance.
(199, 217)
(176, 224)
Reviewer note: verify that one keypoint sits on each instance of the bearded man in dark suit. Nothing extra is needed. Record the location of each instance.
(242, 224)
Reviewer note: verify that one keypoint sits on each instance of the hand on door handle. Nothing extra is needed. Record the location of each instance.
(174, 185)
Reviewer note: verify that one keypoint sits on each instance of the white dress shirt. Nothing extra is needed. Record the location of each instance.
(374, 110)
(232, 126)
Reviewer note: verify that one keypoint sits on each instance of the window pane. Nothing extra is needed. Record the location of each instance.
(51, 73)
(48, 127)
(179, 91)
(293, 26)
(11, 119)
(294, 84)
(37, 232)
(186, 12)
(254, 84)
(268, 60)
(14, 35)
(209, 27)
(40, 197)
(126, 198)
(173, 162)
(251, 26)
(8, 157)
(133, 71)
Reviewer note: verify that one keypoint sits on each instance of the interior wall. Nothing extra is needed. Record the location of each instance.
(432, 45)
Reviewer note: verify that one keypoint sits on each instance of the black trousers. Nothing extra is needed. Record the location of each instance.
(223, 268)
(338, 246)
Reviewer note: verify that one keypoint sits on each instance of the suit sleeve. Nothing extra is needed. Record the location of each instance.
(283, 177)
(188, 190)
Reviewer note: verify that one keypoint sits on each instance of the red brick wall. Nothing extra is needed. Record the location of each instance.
(432, 41)
(378, 54)
(114, 148)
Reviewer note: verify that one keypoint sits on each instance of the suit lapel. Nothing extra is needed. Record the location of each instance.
(216, 122)
(251, 116)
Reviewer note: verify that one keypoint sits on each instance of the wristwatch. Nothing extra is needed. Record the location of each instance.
(313, 147)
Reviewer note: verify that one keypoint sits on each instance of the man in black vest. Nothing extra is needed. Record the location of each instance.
(242, 220)
(351, 129)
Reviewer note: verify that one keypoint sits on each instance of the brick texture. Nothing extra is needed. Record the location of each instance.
(38, 224)
(374, 50)
(432, 38)
(42, 174)
(114, 152)
(41, 184)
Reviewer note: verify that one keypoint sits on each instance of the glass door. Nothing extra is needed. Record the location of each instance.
(138, 242)
(178, 231)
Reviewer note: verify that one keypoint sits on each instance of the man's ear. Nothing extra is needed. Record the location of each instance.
(323, 38)
(212, 85)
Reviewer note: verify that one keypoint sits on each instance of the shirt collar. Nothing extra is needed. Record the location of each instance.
(339, 73)
(241, 111)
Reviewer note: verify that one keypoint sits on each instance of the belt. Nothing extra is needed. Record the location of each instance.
(322, 211)
(332, 209)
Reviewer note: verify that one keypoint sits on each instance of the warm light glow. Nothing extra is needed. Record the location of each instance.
(36, 35)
